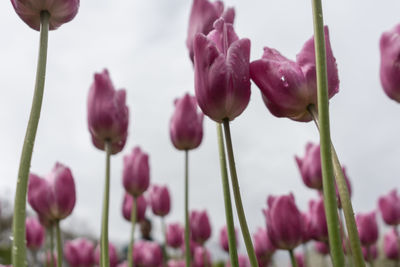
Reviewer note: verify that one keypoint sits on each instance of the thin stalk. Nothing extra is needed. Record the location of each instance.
(292, 258)
(325, 138)
(305, 253)
(396, 229)
(47, 246)
(370, 258)
(104, 259)
(227, 199)
(18, 246)
(131, 243)
(238, 198)
(53, 264)
(187, 233)
(59, 245)
(354, 239)
(164, 244)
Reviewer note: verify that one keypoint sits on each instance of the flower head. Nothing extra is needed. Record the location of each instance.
(391, 245)
(200, 226)
(112, 254)
(34, 233)
(389, 206)
(174, 235)
(310, 166)
(160, 200)
(367, 228)
(223, 238)
(147, 254)
(79, 252)
(141, 205)
(136, 173)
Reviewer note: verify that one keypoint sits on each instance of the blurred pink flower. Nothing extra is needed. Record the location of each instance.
(136, 173)
(34, 233)
(79, 252)
(141, 206)
(160, 200)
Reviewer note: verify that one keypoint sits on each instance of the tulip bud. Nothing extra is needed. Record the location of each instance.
(108, 115)
(370, 253)
(389, 207)
(200, 226)
(141, 206)
(367, 228)
(288, 88)
(263, 246)
(391, 245)
(223, 238)
(112, 254)
(310, 166)
(174, 235)
(60, 11)
(53, 198)
(176, 263)
(285, 229)
(222, 78)
(34, 233)
(202, 17)
(319, 228)
(160, 200)
(79, 253)
(322, 248)
(201, 257)
(186, 125)
(147, 254)
(242, 259)
(136, 174)
(390, 62)
(308, 227)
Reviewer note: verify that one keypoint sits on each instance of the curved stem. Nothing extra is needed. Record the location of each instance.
(227, 199)
(59, 245)
(131, 243)
(292, 258)
(345, 201)
(18, 247)
(187, 233)
(53, 264)
(238, 198)
(104, 259)
(325, 138)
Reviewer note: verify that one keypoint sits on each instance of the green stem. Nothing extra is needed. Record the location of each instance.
(238, 198)
(131, 243)
(164, 244)
(227, 199)
(104, 259)
(187, 233)
(53, 264)
(325, 139)
(293, 258)
(59, 245)
(18, 246)
(345, 201)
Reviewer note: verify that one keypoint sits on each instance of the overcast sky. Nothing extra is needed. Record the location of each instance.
(142, 43)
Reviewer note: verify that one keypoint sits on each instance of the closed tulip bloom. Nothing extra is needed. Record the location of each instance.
(367, 228)
(186, 125)
(319, 228)
(370, 253)
(391, 245)
(141, 205)
(174, 235)
(390, 62)
(263, 246)
(346, 178)
(176, 263)
(60, 11)
(201, 257)
(223, 238)
(289, 87)
(389, 206)
(136, 173)
(222, 77)
(147, 254)
(160, 200)
(310, 166)
(322, 248)
(308, 228)
(284, 222)
(108, 115)
(53, 197)
(200, 226)
(112, 254)
(202, 17)
(79, 252)
(242, 259)
(34, 233)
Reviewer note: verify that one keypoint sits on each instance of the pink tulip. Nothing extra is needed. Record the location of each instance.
(200, 226)
(322, 248)
(389, 206)
(60, 11)
(319, 228)
(223, 238)
(391, 245)
(285, 229)
(136, 174)
(53, 197)
(202, 17)
(112, 254)
(160, 200)
(222, 77)
(186, 125)
(310, 166)
(141, 206)
(370, 253)
(367, 228)
(308, 227)
(79, 252)
(201, 257)
(263, 246)
(390, 61)
(288, 88)
(243, 261)
(108, 115)
(176, 263)
(174, 235)
(147, 254)
(34, 233)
